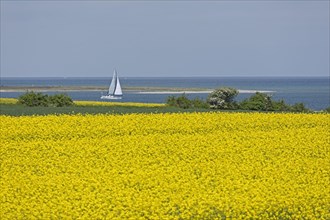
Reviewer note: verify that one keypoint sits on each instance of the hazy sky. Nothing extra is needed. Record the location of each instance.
(184, 38)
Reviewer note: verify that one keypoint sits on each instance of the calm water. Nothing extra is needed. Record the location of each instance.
(312, 91)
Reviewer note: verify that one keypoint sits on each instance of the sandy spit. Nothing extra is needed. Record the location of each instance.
(201, 92)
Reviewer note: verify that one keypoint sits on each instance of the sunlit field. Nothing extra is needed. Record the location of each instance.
(8, 101)
(165, 166)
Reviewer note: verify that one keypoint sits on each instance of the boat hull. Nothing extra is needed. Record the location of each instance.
(111, 97)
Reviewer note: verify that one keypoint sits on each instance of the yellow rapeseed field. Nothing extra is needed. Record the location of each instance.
(165, 166)
(8, 101)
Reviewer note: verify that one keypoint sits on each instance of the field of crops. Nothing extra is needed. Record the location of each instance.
(165, 166)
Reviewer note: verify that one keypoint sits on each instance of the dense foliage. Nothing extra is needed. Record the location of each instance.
(224, 98)
(327, 109)
(39, 99)
(33, 99)
(299, 107)
(264, 102)
(259, 101)
(185, 103)
(60, 100)
(165, 166)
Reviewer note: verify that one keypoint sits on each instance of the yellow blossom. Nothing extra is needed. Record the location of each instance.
(165, 166)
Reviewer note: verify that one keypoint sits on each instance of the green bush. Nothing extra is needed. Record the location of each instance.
(281, 106)
(183, 102)
(299, 107)
(223, 98)
(33, 99)
(264, 102)
(199, 103)
(259, 102)
(327, 109)
(171, 100)
(60, 100)
(180, 102)
(38, 99)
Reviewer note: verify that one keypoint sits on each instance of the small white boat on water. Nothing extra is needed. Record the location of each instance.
(114, 91)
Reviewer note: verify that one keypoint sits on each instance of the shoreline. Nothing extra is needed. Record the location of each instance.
(136, 90)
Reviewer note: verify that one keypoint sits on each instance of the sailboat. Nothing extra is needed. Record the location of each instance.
(114, 91)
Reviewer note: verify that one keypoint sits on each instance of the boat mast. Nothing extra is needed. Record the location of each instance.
(112, 86)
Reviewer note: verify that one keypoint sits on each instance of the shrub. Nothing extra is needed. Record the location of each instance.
(281, 106)
(327, 109)
(299, 107)
(223, 98)
(60, 100)
(38, 99)
(264, 102)
(171, 100)
(180, 102)
(259, 102)
(33, 99)
(199, 103)
(183, 102)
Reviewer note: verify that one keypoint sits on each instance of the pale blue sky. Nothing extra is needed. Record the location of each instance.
(144, 38)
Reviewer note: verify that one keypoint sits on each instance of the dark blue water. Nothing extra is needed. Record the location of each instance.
(312, 91)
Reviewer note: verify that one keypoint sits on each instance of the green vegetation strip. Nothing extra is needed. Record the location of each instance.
(19, 110)
(9, 106)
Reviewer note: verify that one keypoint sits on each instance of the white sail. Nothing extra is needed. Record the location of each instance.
(115, 91)
(112, 86)
(118, 88)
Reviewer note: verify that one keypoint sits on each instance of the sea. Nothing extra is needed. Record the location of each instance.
(314, 92)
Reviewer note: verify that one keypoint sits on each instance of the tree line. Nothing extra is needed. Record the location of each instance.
(224, 99)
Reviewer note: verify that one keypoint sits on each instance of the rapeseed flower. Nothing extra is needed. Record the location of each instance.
(165, 166)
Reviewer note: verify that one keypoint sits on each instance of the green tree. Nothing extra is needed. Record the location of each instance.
(259, 102)
(223, 98)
